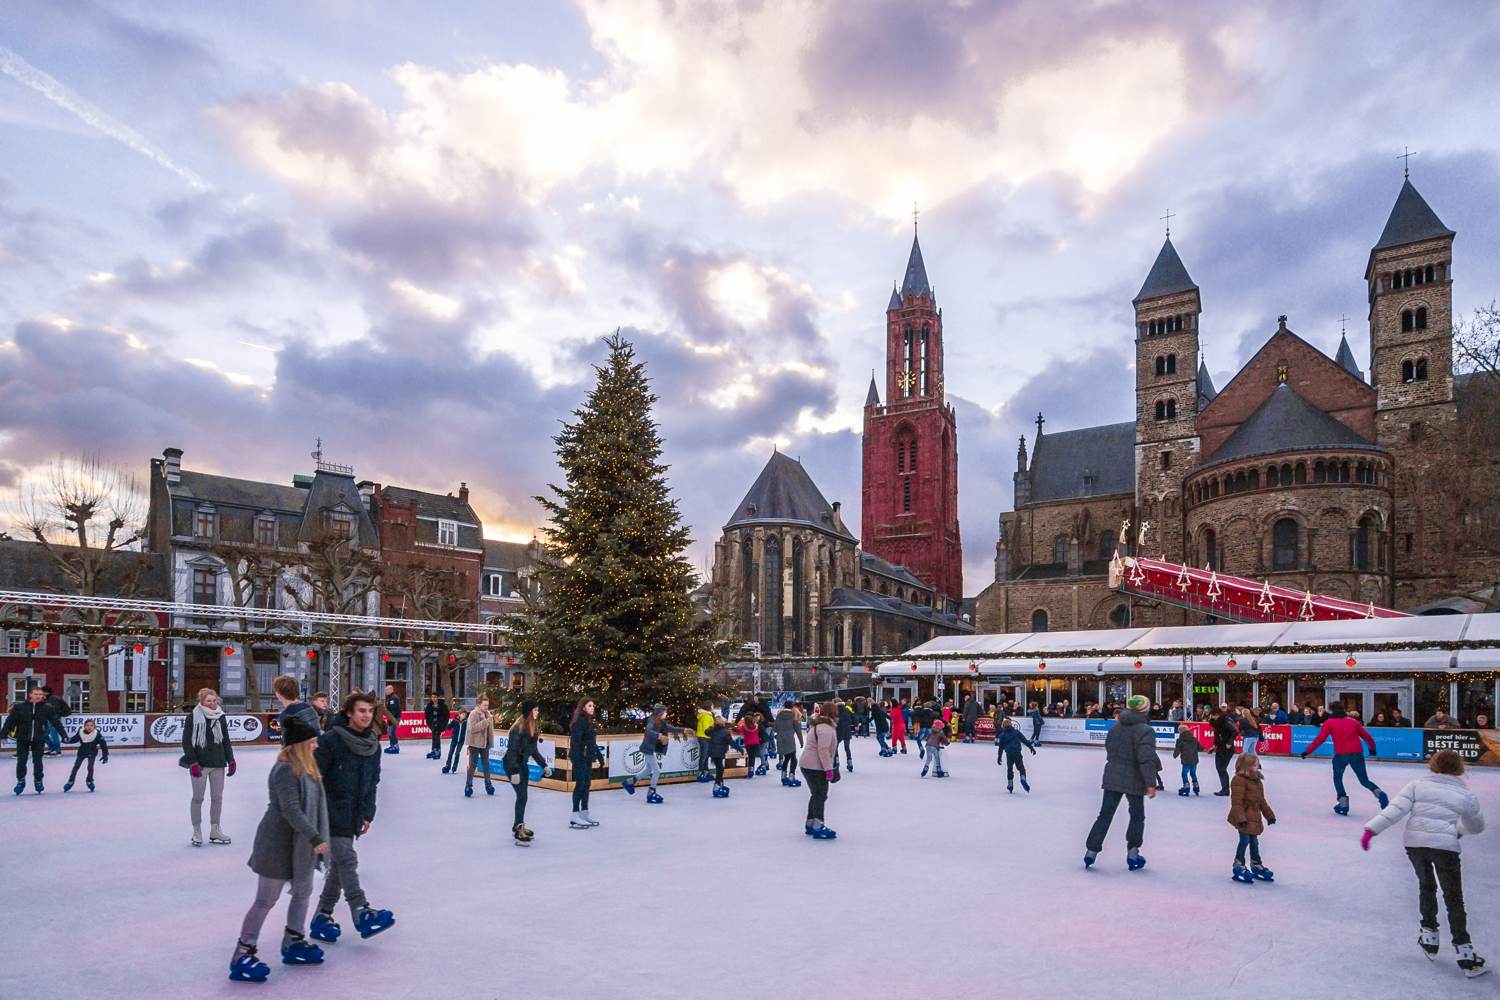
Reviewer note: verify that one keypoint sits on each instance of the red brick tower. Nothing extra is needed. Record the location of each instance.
(909, 508)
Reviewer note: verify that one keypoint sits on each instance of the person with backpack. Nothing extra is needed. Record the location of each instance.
(348, 757)
(1347, 735)
(91, 744)
(583, 750)
(820, 766)
(1130, 768)
(523, 746)
(1439, 808)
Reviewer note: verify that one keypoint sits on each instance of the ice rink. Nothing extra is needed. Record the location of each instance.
(932, 889)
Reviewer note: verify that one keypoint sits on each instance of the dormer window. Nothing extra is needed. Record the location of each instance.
(447, 533)
(339, 523)
(205, 523)
(265, 530)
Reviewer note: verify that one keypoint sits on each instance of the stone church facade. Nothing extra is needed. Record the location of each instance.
(1300, 470)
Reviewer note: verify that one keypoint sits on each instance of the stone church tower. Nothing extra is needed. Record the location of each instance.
(909, 508)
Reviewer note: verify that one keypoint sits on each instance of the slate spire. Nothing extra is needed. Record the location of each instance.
(1411, 221)
(1345, 358)
(915, 282)
(872, 398)
(1167, 276)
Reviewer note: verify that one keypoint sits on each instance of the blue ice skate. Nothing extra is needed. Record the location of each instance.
(721, 791)
(653, 798)
(395, 749)
(1263, 873)
(824, 833)
(89, 784)
(936, 774)
(468, 791)
(629, 785)
(1342, 805)
(67, 787)
(446, 769)
(20, 787)
(1089, 857)
(1184, 791)
(1010, 787)
(489, 789)
(371, 921)
(299, 951)
(1024, 784)
(1135, 862)
(1382, 798)
(39, 788)
(325, 928)
(704, 776)
(244, 967)
(1242, 874)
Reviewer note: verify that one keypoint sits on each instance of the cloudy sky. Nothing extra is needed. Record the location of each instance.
(234, 228)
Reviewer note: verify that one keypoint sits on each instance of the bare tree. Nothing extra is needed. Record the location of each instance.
(254, 570)
(87, 518)
(336, 575)
(433, 594)
(1476, 341)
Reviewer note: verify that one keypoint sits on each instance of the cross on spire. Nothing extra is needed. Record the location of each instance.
(1168, 220)
(1406, 156)
(1342, 320)
(914, 213)
(1040, 420)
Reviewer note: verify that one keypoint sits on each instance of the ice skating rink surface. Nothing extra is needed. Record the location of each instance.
(947, 888)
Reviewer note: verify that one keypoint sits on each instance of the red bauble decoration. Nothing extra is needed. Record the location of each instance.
(32, 644)
(1042, 665)
(913, 668)
(1350, 662)
(452, 659)
(228, 650)
(312, 654)
(1137, 664)
(1232, 663)
(140, 649)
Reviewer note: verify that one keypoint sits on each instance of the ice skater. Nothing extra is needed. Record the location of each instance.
(435, 713)
(937, 738)
(922, 720)
(55, 732)
(1130, 767)
(789, 742)
(718, 742)
(1225, 732)
(459, 727)
(348, 756)
(819, 758)
(1347, 734)
(91, 744)
(291, 843)
(749, 731)
(520, 749)
(844, 727)
(1187, 749)
(209, 757)
(898, 728)
(1440, 809)
(393, 714)
(480, 738)
(880, 715)
(583, 750)
(29, 722)
(1037, 720)
(702, 724)
(969, 716)
(654, 746)
(1008, 744)
(1247, 808)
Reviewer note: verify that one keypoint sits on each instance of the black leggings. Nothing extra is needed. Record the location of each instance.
(788, 765)
(437, 741)
(25, 749)
(1013, 761)
(78, 762)
(520, 782)
(718, 763)
(582, 777)
(1222, 757)
(1436, 867)
(817, 786)
(752, 753)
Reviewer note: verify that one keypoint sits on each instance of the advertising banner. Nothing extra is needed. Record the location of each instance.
(1059, 730)
(166, 730)
(413, 726)
(627, 760)
(117, 730)
(984, 728)
(1475, 746)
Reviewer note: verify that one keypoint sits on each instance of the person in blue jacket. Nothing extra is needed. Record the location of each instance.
(1036, 717)
(1008, 744)
(459, 726)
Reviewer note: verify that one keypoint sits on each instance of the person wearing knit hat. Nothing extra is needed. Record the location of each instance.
(291, 843)
(1130, 768)
(520, 748)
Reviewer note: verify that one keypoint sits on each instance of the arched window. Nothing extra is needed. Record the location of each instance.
(747, 590)
(1059, 549)
(1106, 545)
(907, 360)
(1408, 371)
(885, 589)
(1421, 317)
(1166, 409)
(1299, 474)
(1408, 321)
(1273, 477)
(771, 602)
(1431, 273)
(1343, 472)
(1286, 474)
(1320, 471)
(1419, 370)
(1119, 616)
(1362, 538)
(1172, 358)
(1210, 549)
(1239, 481)
(1161, 410)
(1171, 409)
(1284, 544)
(1255, 479)
(837, 628)
(857, 637)
(799, 599)
(925, 357)
(1161, 365)
(1039, 620)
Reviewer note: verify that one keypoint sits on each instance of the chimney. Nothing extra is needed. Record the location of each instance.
(172, 465)
(366, 492)
(463, 492)
(838, 519)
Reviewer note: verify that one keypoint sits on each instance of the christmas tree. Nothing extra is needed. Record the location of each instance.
(614, 620)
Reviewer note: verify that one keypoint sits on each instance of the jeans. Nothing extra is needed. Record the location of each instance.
(1222, 757)
(1190, 775)
(343, 876)
(519, 783)
(1249, 743)
(267, 891)
(922, 741)
(817, 786)
(789, 765)
(476, 754)
(1251, 841)
(934, 759)
(1135, 832)
(848, 753)
(54, 740)
(1036, 730)
(880, 738)
(453, 745)
(211, 780)
(1436, 867)
(1013, 762)
(1356, 763)
(703, 755)
(78, 762)
(24, 749)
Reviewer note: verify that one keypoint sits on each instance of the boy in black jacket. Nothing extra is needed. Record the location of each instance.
(349, 757)
(91, 744)
(29, 722)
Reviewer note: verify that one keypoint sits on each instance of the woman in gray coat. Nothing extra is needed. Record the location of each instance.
(1130, 768)
(290, 844)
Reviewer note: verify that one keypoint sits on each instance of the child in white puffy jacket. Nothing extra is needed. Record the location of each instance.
(1440, 809)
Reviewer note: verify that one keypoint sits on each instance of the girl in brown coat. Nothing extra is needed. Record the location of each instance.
(1247, 807)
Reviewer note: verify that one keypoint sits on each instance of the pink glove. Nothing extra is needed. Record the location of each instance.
(1364, 842)
(231, 769)
(196, 771)
(828, 775)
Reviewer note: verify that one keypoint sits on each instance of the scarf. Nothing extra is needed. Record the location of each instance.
(84, 738)
(361, 744)
(204, 730)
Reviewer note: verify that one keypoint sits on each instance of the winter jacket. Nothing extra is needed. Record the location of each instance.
(350, 762)
(1248, 727)
(845, 726)
(296, 821)
(217, 752)
(898, 724)
(938, 737)
(393, 708)
(705, 722)
(1224, 733)
(29, 721)
(1248, 805)
(90, 748)
(1008, 739)
(1130, 763)
(1279, 717)
(583, 745)
(481, 727)
(718, 741)
(1187, 747)
(657, 732)
(750, 734)
(1442, 809)
(61, 707)
(435, 714)
(882, 720)
(922, 717)
(518, 747)
(821, 751)
(971, 711)
(1346, 733)
(1035, 715)
(788, 731)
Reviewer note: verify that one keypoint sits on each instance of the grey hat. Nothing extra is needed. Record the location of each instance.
(658, 708)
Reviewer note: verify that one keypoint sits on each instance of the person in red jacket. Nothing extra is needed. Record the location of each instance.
(1347, 734)
(749, 731)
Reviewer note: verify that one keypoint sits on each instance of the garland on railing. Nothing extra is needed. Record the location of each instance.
(255, 638)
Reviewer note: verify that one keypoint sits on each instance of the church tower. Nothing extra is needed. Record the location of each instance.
(1409, 280)
(1166, 398)
(909, 508)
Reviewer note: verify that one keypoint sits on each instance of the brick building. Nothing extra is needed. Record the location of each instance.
(909, 493)
(1300, 470)
(507, 583)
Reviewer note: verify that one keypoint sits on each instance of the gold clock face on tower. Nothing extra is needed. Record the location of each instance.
(907, 380)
